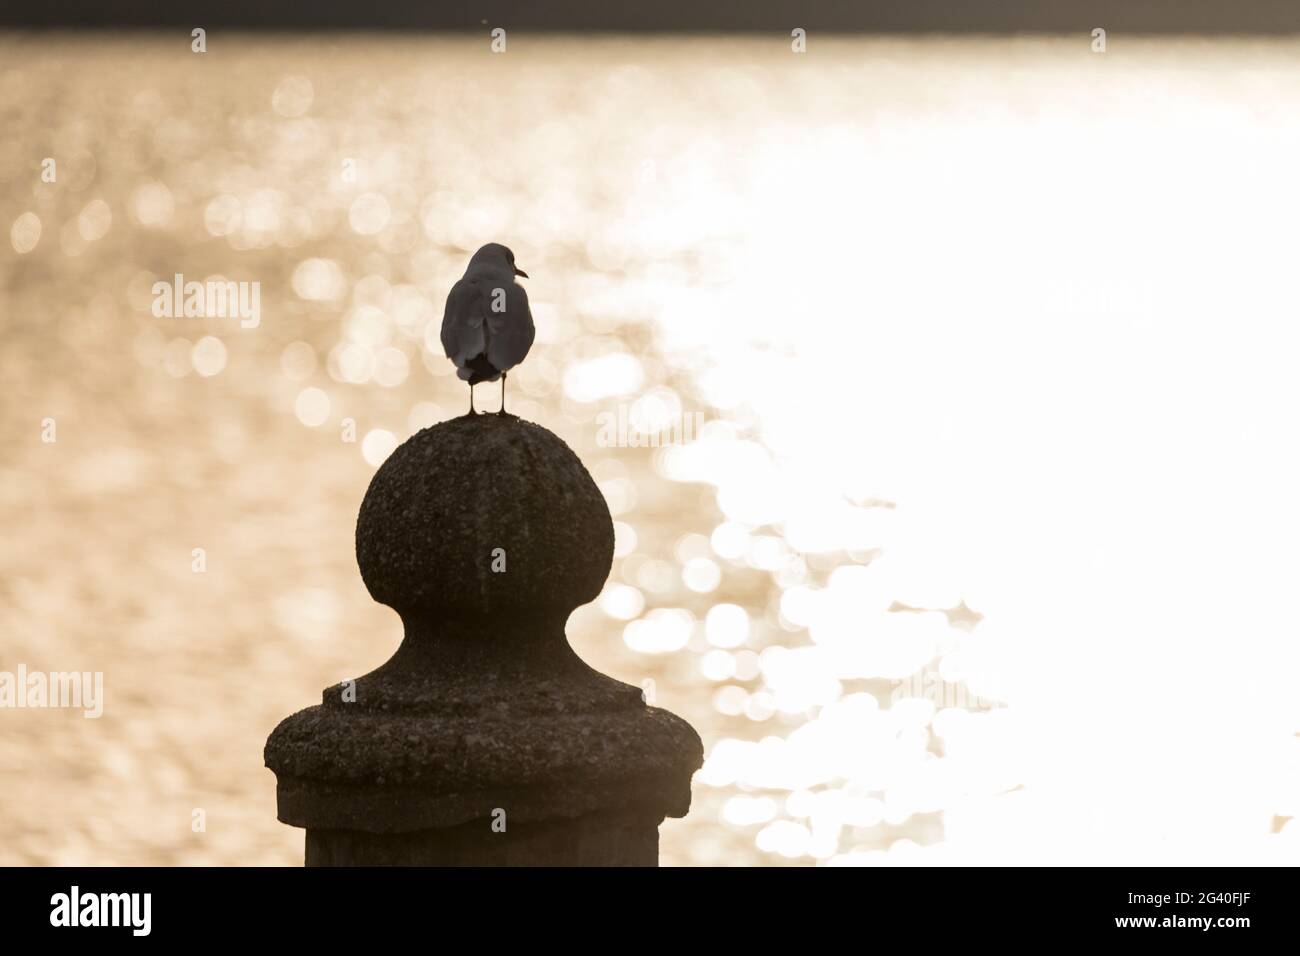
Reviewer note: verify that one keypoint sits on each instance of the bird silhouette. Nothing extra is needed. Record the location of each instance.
(487, 328)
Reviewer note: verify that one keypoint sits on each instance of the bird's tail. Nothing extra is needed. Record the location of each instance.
(478, 369)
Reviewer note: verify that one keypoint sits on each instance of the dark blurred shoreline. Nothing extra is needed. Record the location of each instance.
(1246, 17)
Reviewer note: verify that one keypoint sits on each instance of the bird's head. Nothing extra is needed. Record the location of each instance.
(498, 258)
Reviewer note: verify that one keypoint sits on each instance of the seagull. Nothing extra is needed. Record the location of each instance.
(487, 328)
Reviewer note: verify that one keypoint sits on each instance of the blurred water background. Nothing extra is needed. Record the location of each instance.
(982, 551)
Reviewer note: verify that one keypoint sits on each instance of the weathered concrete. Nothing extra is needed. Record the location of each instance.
(484, 707)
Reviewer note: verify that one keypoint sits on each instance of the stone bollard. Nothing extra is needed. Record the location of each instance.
(484, 740)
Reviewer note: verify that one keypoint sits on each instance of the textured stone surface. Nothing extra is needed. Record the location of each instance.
(451, 494)
(484, 706)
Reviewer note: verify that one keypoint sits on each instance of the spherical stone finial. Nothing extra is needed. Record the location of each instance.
(481, 515)
(483, 533)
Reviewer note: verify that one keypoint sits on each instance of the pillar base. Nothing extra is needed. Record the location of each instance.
(592, 840)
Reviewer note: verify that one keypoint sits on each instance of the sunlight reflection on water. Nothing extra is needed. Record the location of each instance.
(716, 233)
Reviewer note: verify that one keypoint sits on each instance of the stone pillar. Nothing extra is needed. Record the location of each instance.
(484, 740)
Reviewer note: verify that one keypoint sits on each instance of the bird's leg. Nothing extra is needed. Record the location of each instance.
(503, 394)
(471, 401)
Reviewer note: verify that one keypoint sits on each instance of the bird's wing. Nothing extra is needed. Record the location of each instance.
(510, 331)
(463, 332)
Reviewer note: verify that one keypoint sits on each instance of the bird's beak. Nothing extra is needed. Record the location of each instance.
(521, 272)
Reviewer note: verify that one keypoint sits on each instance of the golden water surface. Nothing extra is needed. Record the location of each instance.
(918, 579)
